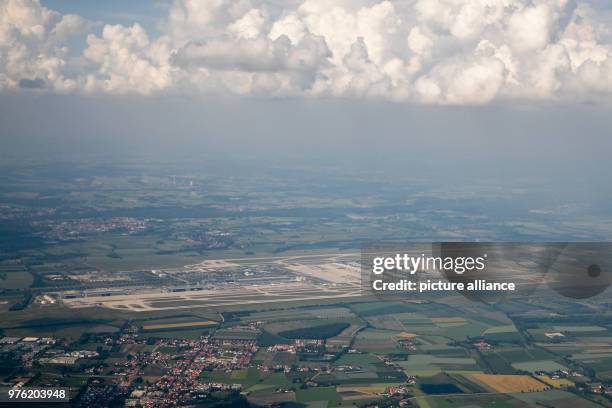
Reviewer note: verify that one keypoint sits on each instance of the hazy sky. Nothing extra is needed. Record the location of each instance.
(562, 139)
(512, 89)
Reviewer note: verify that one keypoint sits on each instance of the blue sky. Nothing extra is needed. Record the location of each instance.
(149, 12)
(145, 12)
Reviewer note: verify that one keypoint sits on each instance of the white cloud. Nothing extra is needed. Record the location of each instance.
(254, 65)
(424, 51)
(124, 60)
(31, 45)
(249, 26)
(290, 25)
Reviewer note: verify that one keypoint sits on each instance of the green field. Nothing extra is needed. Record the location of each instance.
(429, 365)
(542, 365)
(322, 331)
(328, 394)
(15, 280)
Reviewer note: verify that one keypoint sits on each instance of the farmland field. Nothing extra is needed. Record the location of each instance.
(542, 365)
(178, 325)
(241, 288)
(509, 383)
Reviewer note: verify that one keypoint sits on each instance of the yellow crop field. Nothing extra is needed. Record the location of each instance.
(557, 383)
(510, 383)
(179, 325)
(365, 389)
(406, 336)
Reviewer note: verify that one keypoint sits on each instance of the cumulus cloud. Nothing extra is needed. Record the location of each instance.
(32, 45)
(423, 51)
(123, 59)
(258, 54)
